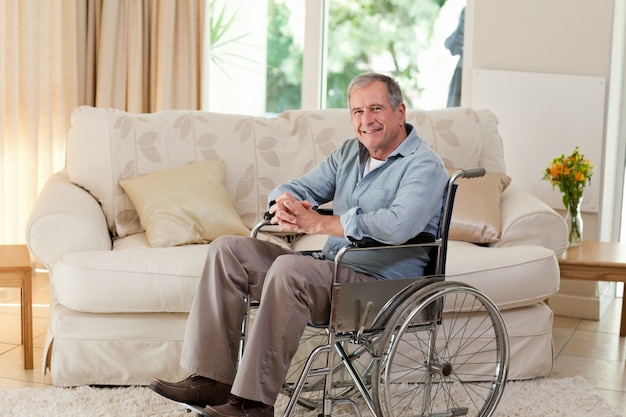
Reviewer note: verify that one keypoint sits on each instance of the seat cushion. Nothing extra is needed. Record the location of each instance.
(137, 278)
(131, 278)
(512, 276)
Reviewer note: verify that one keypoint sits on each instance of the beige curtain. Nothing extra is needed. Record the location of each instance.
(143, 55)
(136, 55)
(37, 75)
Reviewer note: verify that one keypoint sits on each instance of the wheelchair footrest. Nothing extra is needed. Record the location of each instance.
(194, 409)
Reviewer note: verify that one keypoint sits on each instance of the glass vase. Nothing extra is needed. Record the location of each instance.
(574, 220)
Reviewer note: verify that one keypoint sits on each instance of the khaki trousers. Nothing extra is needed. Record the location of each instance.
(293, 290)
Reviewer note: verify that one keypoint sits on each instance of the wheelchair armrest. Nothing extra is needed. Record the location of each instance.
(423, 239)
(368, 242)
(260, 225)
(267, 217)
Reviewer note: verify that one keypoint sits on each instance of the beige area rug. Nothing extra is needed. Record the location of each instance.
(571, 397)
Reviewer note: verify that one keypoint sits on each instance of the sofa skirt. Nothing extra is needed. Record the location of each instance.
(92, 349)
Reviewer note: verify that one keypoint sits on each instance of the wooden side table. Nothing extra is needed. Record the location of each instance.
(596, 261)
(16, 271)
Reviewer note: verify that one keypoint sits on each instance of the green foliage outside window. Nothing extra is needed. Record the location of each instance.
(380, 35)
(284, 62)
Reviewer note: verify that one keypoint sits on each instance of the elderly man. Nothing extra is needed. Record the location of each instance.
(386, 184)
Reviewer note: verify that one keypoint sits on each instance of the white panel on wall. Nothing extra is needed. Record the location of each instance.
(542, 116)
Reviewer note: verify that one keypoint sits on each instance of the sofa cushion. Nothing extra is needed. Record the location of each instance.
(463, 137)
(454, 135)
(260, 151)
(165, 279)
(133, 279)
(525, 274)
(106, 145)
(184, 205)
(476, 213)
(512, 277)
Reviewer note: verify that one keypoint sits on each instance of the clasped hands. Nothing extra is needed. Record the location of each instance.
(294, 215)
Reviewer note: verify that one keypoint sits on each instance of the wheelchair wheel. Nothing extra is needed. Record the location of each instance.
(343, 386)
(431, 363)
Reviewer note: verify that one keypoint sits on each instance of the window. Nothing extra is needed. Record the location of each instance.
(274, 55)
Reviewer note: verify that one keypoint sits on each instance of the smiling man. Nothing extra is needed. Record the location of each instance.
(385, 185)
(378, 122)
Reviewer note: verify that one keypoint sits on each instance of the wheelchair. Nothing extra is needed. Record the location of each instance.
(418, 346)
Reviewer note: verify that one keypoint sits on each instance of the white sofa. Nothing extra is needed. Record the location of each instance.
(119, 305)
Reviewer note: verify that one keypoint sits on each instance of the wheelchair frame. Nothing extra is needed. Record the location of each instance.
(385, 320)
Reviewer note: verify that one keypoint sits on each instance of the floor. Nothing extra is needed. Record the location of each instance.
(592, 349)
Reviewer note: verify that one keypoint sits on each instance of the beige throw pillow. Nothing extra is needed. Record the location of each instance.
(476, 211)
(184, 205)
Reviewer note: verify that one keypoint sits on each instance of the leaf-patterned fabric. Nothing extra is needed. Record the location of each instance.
(257, 151)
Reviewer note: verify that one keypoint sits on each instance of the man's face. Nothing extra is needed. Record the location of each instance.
(378, 127)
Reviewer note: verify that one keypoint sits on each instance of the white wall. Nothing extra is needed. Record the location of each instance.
(552, 36)
(568, 37)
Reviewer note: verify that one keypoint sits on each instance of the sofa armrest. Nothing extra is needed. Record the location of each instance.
(527, 220)
(65, 218)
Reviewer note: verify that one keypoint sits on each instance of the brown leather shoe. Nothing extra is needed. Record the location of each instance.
(239, 407)
(193, 390)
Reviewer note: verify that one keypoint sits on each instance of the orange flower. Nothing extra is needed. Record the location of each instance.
(555, 171)
(579, 177)
(571, 175)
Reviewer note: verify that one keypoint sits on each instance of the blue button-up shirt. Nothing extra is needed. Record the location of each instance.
(391, 204)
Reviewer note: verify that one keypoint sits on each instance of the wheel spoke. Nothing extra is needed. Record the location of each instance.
(454, 367)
